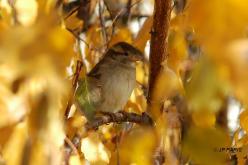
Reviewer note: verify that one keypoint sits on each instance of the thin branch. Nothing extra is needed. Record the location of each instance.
(121, 12)
(124, 10)
(78, 37)
(71, 145)
(71, 13)
(221, 116)
(84, 13)
(117, 141)
(58, 4)
(119, 117)
(138, 16)
(128, 13)
(74, 85)
(159, 157)
(81, 39)
(132, 16)
(102, 23)
(13, 12)
(179, 5)
(108, 9)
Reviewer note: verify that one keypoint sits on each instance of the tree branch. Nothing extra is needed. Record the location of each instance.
(158, 54)
(119, 117)
(159, 33)
(106, 118)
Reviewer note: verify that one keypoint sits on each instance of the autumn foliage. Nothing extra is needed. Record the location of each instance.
(188, 106)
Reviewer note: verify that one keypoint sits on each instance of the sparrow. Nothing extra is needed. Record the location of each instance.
(108, 86)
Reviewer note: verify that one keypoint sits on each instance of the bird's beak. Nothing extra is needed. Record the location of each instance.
(137, 56)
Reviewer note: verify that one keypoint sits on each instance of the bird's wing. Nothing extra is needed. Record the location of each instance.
(95, 89)
(96, 71)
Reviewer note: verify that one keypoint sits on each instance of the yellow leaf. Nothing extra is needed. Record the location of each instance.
(141, 143)
(16, 142)
(5, 15)
(168, 84)
(12, 107)
(205, 91)
(46, 6)
(75, 160)
(123, 34)
(137, 102)
(35, 87)
(74, 23)
(74, 125)
(177, 48)
(94, 151)
(235, 64)
(242, 156)
(201, 145)
(26, 11)
(144, 34)
(6, 133)
(142, 73)
(243, 117)
(94, 38)
(214, 24)
(204, 119)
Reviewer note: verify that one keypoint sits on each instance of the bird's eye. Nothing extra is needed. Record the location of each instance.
(125, 54)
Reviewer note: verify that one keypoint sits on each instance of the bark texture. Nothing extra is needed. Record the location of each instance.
(159, 33)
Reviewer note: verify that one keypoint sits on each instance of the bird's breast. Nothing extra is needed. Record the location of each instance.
(117, 88)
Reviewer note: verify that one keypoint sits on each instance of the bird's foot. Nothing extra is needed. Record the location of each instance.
(110, 114)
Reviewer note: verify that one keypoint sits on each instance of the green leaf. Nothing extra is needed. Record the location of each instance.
(82, 98)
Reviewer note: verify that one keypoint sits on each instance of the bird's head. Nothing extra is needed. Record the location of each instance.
(125, 52)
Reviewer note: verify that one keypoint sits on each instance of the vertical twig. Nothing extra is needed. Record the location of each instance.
(117, 140)
(58, 4)
(108, 9)
(102, 23)
(221, 117)
(118, 15)
(128, 13)
(13, 11)
(84, 12)
(74, 85)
